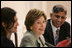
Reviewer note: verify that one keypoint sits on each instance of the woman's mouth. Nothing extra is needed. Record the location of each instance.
(41, 29)
(15, 27)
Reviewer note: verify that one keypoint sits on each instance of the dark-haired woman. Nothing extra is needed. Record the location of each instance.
(8, 26)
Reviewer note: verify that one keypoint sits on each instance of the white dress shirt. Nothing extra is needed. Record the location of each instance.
(54, 30)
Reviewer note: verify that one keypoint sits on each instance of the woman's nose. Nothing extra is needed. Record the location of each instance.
(41, 25)
(17, 24)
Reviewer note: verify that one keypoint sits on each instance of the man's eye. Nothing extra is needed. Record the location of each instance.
(57, 16)
(63, 17)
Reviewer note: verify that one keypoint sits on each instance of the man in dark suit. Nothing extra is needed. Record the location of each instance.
(57, 21)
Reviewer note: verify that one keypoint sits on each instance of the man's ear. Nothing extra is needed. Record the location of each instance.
(51, 15)
(65, 18)
(3, 24)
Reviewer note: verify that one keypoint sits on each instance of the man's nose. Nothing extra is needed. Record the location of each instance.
(59, 19)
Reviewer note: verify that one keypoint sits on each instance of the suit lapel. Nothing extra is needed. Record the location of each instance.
(51, 32)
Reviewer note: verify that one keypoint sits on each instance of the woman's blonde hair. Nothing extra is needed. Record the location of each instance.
(32, 16)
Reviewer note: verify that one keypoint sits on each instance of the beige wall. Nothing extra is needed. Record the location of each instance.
(22, 7)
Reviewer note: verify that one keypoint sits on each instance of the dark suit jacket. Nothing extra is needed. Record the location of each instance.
(63, 33)
(5, 42)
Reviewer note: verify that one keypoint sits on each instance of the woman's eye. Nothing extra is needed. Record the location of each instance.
(44, 21)
(38, 22)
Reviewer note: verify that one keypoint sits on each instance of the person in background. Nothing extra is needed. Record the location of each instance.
(57, 29)
(8, 26)
(35, 23)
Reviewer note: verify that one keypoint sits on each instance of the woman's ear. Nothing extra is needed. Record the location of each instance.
(3, 24)
(31, 27)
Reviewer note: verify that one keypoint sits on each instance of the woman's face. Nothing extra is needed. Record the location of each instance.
(39, 26)
(14, 28)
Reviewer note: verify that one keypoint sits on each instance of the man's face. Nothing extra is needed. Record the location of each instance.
(58, 19)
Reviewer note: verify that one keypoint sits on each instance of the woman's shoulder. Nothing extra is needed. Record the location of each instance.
(28, 39)
(6, 42)
(29, 35)
(4, 39)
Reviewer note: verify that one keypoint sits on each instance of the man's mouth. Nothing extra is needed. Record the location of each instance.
(58, 23)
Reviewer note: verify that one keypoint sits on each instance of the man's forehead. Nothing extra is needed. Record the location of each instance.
(60, 13)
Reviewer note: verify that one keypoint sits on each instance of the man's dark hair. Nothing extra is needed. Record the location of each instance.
(59, 8)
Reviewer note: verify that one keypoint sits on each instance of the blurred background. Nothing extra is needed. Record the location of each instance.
(22, 8)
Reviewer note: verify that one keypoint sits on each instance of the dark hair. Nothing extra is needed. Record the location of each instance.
(32, 16)
(7, 16)
(59, 8)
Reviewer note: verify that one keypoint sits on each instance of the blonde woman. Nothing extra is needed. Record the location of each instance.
(35, 23)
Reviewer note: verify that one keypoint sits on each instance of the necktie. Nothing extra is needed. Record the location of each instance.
(57, 36)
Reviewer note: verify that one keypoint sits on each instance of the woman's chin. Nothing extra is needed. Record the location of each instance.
(42, 32)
